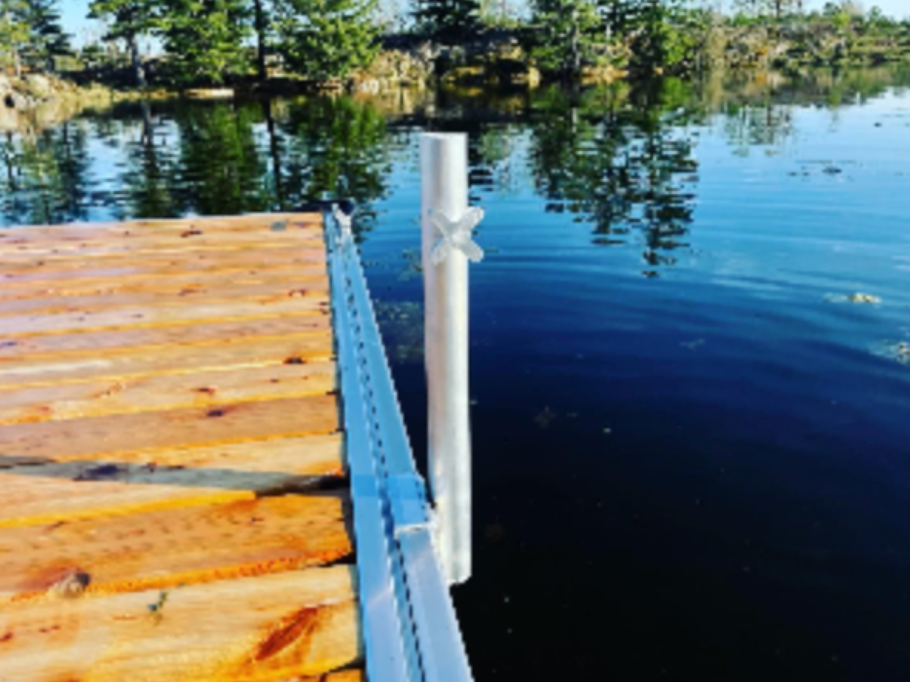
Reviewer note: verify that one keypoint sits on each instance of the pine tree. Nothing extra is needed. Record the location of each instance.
(327, 39)
(204, 39)
(262, 25)
(14, 33)
(128, 19)
(47, 39)
(662, 40)
(448, 22)
(568, 36)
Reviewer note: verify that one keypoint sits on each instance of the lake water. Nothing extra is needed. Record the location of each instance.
(690, 348)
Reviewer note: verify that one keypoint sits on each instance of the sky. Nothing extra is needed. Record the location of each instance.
(74, 12)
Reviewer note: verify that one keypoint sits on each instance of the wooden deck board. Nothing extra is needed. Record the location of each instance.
(253, 629)
(164, 549)
(101, 397)
(178, 312)
(125, 362)
(203, 293)
(110, 435)
(176, 283)
(175, 502)
(210, 334)
(40, 491)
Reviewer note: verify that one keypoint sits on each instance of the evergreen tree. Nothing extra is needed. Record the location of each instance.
(619, 16)
(14, 32)
(448, 22)
(47, 39)
(326, 39)
(568, 36)
(262, 25)
(660, 43)
(128, 19)
(204, 39)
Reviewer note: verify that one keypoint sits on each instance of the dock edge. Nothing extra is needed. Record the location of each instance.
(410, 630)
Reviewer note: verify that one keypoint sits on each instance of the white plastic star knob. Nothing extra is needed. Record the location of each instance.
(456, 234)
(344, 222)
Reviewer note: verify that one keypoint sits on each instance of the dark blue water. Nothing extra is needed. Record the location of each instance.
(691, 401)
(699, 469)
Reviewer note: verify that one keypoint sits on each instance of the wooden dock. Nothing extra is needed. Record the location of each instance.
(176, 505)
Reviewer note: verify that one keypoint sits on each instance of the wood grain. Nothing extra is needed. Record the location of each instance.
(127, 364)
(89, 344)
(262, 629)
(143, 393)
(44, 491)
(184, 313)
(183, 546)
(171, 462)
(203, 293)
(155, 264)
(94, 437)
(139, 244)
(305, 266)
(75, 284)
(224, 226)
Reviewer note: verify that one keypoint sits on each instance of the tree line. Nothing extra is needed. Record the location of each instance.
(212, 42)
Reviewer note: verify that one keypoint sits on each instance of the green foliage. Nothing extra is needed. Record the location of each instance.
(448, 21)
(31, 33)
(204, 39)
(221, 161)
(327, 39)
(499, 13)
(14, 31)
(777, 9)
(568, 36)
(46, 39)
(617, 163)
(338, 146)
(126, 19)
(92, 56)
(665, 38)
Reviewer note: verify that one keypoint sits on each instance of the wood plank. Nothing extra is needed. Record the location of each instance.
(106, 437)
(133, 363)
(347, 675)
(18, 325)
(138, 243)
(344, 676)
(160, 263)
(164, 549)
(202, 294)
(99, 397)
(55, 234)
(262, 629)
(40, 491)
(211, 334)
(176, 282)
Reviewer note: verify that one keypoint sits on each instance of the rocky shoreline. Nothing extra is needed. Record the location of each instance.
(37, 101)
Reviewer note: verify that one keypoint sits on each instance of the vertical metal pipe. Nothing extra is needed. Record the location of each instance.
(444, 185)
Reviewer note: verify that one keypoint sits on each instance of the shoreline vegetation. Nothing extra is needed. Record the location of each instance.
(222, 48)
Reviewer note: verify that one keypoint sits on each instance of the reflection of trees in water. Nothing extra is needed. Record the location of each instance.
(221, 167)
(624, 169)
(45, 175)
(206, 158)
(150, 171)
(619, 158)
(335, 147)
(765, 125)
